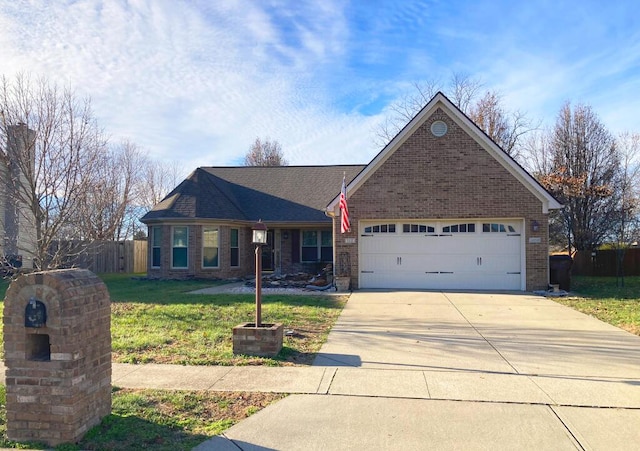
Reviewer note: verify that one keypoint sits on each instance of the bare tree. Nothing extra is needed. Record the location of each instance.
(626, 230)
(505, 128)
(53, 139)
(464, 90)
(538, 149)
(403, 110)
(265, 153)
(584, 171)
(158, 179)
(107, 204)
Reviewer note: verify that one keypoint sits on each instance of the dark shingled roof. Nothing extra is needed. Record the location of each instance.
(249, 193)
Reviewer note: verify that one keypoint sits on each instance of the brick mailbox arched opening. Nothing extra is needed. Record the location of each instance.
(57, 341)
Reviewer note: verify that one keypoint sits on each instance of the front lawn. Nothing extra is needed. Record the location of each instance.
(157, 420)
(602, 298)
(159, 322)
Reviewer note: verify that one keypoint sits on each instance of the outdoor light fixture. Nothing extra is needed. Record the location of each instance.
(535, 225)
(259, 233)
(259, 239)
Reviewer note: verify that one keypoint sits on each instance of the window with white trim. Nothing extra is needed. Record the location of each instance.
(317, 245)
(210, 238)
(326, 246)
(179, 247)
(234, 247)
(156, 246)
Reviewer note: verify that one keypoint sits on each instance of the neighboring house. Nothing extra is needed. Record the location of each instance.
(17, 222)
(440, 207)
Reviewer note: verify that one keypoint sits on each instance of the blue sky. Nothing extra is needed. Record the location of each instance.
(198, 81)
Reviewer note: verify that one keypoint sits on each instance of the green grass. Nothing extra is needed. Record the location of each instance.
(159, 419)
(157, 321)
(123, 287)
(601, 297)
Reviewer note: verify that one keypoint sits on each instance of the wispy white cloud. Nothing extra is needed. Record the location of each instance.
(197, 81)
(187, 83)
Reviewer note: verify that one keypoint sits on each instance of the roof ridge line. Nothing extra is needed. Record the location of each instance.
(214, 179)
(287, 166)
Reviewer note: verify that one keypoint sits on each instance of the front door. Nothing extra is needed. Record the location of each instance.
(267, 253)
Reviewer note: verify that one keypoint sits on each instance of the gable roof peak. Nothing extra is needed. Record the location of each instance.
(440, 100)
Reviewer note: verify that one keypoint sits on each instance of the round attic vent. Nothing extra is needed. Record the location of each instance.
(438, 128)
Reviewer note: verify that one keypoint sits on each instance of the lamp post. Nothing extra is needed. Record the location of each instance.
(258, 339)
(259, 239)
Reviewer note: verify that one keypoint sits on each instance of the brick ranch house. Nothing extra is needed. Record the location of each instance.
(440, 207)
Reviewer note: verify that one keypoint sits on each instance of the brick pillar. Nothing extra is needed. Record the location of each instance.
(57, 341)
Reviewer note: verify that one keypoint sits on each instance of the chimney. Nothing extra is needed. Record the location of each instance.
(20, 162)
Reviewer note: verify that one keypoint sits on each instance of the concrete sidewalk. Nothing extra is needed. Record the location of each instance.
(475, 386)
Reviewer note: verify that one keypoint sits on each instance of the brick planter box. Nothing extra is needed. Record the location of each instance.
(263, 341)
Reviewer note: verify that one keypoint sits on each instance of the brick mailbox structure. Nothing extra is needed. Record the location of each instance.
(57, 342)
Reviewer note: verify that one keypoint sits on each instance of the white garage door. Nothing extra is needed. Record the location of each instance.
(466, 254)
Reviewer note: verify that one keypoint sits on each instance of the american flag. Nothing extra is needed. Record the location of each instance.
(345, 224)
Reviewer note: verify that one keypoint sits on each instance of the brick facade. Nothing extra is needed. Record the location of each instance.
(286, 253)
(58, 375)
(451, 177)
(194, 254)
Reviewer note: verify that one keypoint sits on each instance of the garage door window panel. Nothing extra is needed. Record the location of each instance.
(497, 228)
(380, 228)
(418, 228)
(460, 228)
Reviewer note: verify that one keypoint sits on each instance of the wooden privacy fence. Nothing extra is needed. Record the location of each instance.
(103, 256)
(603, 263)
(140, 256)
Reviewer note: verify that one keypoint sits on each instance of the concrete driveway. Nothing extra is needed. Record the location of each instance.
(433, 370)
